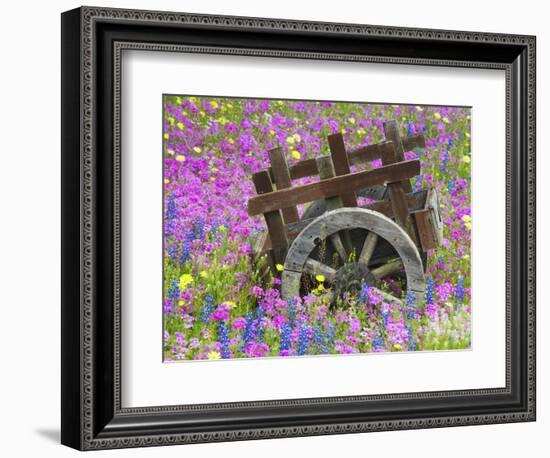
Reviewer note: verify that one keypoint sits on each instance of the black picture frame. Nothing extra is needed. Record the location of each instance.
(92, 416)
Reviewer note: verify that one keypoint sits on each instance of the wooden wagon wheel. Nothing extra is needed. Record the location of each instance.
(378, 228)
(377, 193)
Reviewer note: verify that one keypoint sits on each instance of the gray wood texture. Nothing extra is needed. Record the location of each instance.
(331, 187)
(349, 218)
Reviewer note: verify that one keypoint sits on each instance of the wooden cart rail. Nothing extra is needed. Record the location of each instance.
(332, 187)
(308, 167)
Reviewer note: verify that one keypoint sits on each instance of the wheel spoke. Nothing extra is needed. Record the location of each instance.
(339, 246)
(388, 297)
(368, 248)
(314, 267)
(391, 267)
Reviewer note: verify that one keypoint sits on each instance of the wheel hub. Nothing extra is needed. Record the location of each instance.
(350, 278)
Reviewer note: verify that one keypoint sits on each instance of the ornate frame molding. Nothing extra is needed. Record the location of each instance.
(89, 434)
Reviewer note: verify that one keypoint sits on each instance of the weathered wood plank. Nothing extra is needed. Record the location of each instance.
(326, 171)
(308, 167)
(432, 203)
(282, 180)
(414, 141)
(273, 218)
(272, 201)
(415, 201)
(426, 232)
(391, 131)
(341, 165)
(364, 154)
(302, 169)
(396, 194)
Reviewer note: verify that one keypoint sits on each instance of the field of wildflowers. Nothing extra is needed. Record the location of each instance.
(216, 306)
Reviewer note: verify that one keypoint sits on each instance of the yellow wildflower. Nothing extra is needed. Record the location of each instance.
(166, 181)
(185, 280)
(320, 278)
(297, 137)
(437, 115)
(466, 257)
(230, 304)
(449, 305)
(221, 228)
(343, 131)
(468, 226)
(467, 134)
(279, 267)
(202, 113)
(204, 273)
(351, 120)
(231, 141)
(214, 104)
(467, 218)
(214, 355)
(272, 132)
(212, 178)
(166, 136)
(171, 120)
(320, 288)
(398, 346)
(446, 120)
(178, 100)
(419, 108)
(180, 303)
(295, 154)
(197, 149)
(290, 140)
(180, 125)
(180, 158)
(466, 159)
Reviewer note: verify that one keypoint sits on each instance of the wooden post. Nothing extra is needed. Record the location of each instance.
(341, 165)
(326, 171)
(281, 177)
(273, 219)
(396, 194)
(391, 131)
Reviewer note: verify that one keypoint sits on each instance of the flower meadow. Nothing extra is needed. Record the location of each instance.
(216, 305)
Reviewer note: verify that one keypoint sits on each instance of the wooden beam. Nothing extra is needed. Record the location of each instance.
(282, 180)
(273, 218)
(341, 166)
(391, 131)
(396, 194)
(414, 141)
(308, 167)
(353, 182)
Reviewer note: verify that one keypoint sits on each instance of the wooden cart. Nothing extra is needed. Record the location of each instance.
(346, 243)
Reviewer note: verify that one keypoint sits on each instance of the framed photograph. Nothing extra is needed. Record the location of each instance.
(276, 228)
